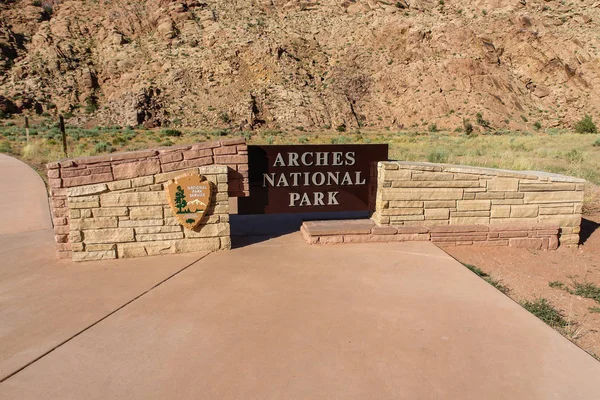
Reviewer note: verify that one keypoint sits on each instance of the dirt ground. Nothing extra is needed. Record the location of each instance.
(527, 274)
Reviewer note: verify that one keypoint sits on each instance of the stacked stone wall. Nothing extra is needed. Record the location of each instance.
(72, 173)
(430, 195)
(132, 218)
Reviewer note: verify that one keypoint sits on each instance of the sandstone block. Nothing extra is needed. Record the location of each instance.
(553, 197)
(435, 184)
(186, 164)
(193, 154)
(556, 210)
(142, 181)
(524, 211)
(145, 230)
(77, 246)
(307, 236)
(204, 244)
(526, 243)
(75, 213)
(473, 205)
(133, 199)
(332, 239)
(428, 223)
(500, 211)
(405, 204)
(87, 190)
(545, 187)
(490, 196)
(561, 220)
(233, 141)
(94, 255)
(225, 150)
(170, 157)
(410, 230)
(433, 176)
(87, 180)
(61, 238)
(111, 235)
(403, 218)
(512, 234)
(55, 183)
(469, 220)
(59, 221)
(92, 203)
(402, 211)
(160, 178)
(503, 242)
(466, 177)
(440, 204)
(507, 202)
(94, 223)
(154, 212)
(396, 175)
(569, 240)
(75, 237)
(139, 223)
(415, 194)
(207, 231)
(459, 238)
(62, 230)
(110, 212)
(119, 185)
(231, 159)
(512, 195)
(503, 185)
(470, 213)
(159, 236)
(458, 229)
(135, 169)
(553, 243)
(225, 243)
(383, 230)
(437, 213)
(101, 247)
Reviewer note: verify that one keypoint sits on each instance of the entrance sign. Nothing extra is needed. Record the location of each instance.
(310, 178)
(189, 196)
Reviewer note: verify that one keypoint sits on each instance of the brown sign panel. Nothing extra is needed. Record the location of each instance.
(310, 178)
(189, 196)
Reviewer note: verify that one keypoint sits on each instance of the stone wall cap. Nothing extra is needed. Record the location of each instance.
(467, 169)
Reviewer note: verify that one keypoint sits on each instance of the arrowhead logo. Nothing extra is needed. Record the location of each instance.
(189, 197)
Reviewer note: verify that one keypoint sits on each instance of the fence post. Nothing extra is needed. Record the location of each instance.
(63, 133)
(27, 128)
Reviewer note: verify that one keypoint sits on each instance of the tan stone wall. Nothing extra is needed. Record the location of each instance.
(425, 194)
(132, 218)
(122, 166)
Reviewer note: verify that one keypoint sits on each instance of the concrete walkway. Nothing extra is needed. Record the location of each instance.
(273, 320)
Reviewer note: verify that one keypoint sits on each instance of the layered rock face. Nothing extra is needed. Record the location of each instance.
(253, 63)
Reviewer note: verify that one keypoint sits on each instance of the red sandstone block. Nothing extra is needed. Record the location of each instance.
(170, 157)
(525, 243)
(242, 167)
(493, 235)
(545, 233)
(63, 255)
(513, 234)
(464, 243)
(546, 227)
(72, 173)
(242, 147)
(409, 230)
(459, 228)
(55, 183)
(228, 160)
(55, 192)
(192, 154)
(100, 170)
(66, 164)
(234, 141)
(136, 169)
(60, 212)
(173, 149)
(545, 243)
(63, 246)
(457, 234)
(331, 239)
(384, 230)
(59, 221)
(198, 162)
(503, 242)
(310, 239)
(52, 165)
(87, 180)
(111, 158)
(58, 203)
(206, 145)
(53, 173)
(62, 230)
(61, 238)
(459, 238)
(225, 150)
(242, 152)
(552, 243)
(246, 186)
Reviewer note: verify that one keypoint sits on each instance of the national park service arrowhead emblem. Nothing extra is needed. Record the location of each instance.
(189, 197)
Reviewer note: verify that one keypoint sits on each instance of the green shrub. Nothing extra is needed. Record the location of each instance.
(341, 140)
(303, 139)
(542, 309)
(341, 128)
(103, 147)
(537, 125)
(586, 125)
(172, 132)
(224, 117)
(91, 104)
(481, 121)
(5, 147)
(574, 156)
(433, 128)
(597, 143)
(438, 156)
(468, 126)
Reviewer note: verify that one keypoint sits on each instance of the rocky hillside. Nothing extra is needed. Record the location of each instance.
(312, 64)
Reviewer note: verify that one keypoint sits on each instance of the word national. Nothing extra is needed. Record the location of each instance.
(313, 179)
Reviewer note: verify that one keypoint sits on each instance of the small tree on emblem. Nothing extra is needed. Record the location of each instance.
(180, 201)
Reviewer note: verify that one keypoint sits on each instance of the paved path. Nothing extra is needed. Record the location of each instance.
(24, 201)
(274, 320)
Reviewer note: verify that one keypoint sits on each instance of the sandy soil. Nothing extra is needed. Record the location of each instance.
(527, 274)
